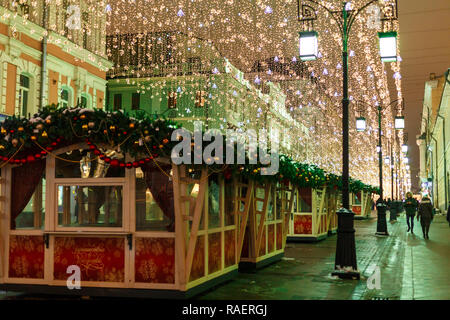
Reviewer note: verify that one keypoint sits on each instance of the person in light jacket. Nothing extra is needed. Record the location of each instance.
(425, 214)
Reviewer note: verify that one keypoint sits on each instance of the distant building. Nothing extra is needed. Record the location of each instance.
(43, 41)
(433, 141)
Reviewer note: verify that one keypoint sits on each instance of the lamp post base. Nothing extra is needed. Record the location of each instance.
(345, 262)
(352, 275)
(381, 220)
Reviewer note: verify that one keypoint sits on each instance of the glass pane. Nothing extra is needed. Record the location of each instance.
(357, 198)
(24, 102)
(229, 203)
(85, 164)
(24, 81)
(214, 202)
(84, 101)
(32, 216)
(305, 200)
(64, 95)
(89, 206)
(154, 202)
(270, 208)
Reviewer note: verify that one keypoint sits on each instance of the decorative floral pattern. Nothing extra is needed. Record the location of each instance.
(230, 248)
(303, 224)
(271, 238)
(214, 252)
(100, 259)
(155, 260)
(26, 257)
(198, 263)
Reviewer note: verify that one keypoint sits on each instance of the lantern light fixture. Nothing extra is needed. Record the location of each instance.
(399, 122)
(387, 160)
(388, 46)
(405, 148)
(308, 45)
(360, 124)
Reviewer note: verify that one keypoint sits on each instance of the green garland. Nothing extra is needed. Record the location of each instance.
(24, 140)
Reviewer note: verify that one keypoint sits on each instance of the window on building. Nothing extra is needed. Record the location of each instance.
(24, 92)
(117, 101)
(172, 100)
(85, 100)
(135, 101)
(200, 99)
(64, 98)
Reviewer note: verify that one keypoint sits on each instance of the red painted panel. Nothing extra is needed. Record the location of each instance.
(271, 238)
(26, 257)
(100, 259)
(198, 263)
(356, 210)
(302, 224)
(214, 252)
(155, 260)
(279, 236)
(230, 248)
(262, 248)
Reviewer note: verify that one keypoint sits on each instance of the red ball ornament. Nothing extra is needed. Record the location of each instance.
(17, 161)
(37, 155)
(148, 159)
(92, 147)
(31, 158)
(58, 140)
(101, 156)
(43, 152)
(107, 159)
(129, 165)
(54, 144)
(23, 161)
(12, 161)
(97, 152)
(122, 165)
(115, 163)
(49, 148)
(141, 162)
(124, 133)
(135, 164)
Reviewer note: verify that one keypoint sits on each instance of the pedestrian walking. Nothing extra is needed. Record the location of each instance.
(425, 213)
(410, 205)
(448, 214)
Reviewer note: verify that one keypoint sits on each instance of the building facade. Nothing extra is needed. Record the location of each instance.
(61, 42)
(433, 141)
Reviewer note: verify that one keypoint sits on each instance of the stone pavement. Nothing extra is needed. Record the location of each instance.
(410, 268)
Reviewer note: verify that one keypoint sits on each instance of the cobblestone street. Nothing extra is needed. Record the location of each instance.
(411, 268)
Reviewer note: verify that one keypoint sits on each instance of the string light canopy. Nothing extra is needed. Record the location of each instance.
(404, 148)
(387, 160)
(388, 46)
(308, 45)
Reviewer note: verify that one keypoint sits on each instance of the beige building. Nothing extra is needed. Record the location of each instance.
(433, 141)
(62, 42)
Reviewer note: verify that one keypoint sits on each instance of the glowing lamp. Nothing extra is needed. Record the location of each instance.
(387, 160)
(308, 45)
(405, 148)
(360, 124)
(388, 46)
(399, 122)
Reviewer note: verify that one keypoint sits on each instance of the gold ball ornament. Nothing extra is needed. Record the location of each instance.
(147, 138)
(40, 126)
(14, 142)
(91, 124)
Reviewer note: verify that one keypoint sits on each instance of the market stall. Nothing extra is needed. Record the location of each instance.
(361, 204)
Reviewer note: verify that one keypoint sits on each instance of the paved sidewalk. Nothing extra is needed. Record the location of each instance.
(410, 268)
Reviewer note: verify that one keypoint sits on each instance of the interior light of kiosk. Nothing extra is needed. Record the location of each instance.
(399, 122)
(360, 124)
(308, 46)
(386, 160)
(404, 148)
(388, 46)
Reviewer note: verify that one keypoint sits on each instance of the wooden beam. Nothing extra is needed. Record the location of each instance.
(192, 240)
(244, 216)
(263, 218)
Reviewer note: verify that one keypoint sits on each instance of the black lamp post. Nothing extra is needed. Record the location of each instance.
(399, 125)
(345, 262)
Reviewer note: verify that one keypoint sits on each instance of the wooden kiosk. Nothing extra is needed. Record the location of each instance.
(314, 215)
(361, 204)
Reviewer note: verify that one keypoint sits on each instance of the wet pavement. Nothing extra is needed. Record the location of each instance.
(410, 268)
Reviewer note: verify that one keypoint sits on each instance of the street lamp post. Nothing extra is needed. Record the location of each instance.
(345, 261)
(399, 125)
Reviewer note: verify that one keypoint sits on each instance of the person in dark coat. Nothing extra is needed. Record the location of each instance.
(448, 214)
(410, 205)
(425, 213)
